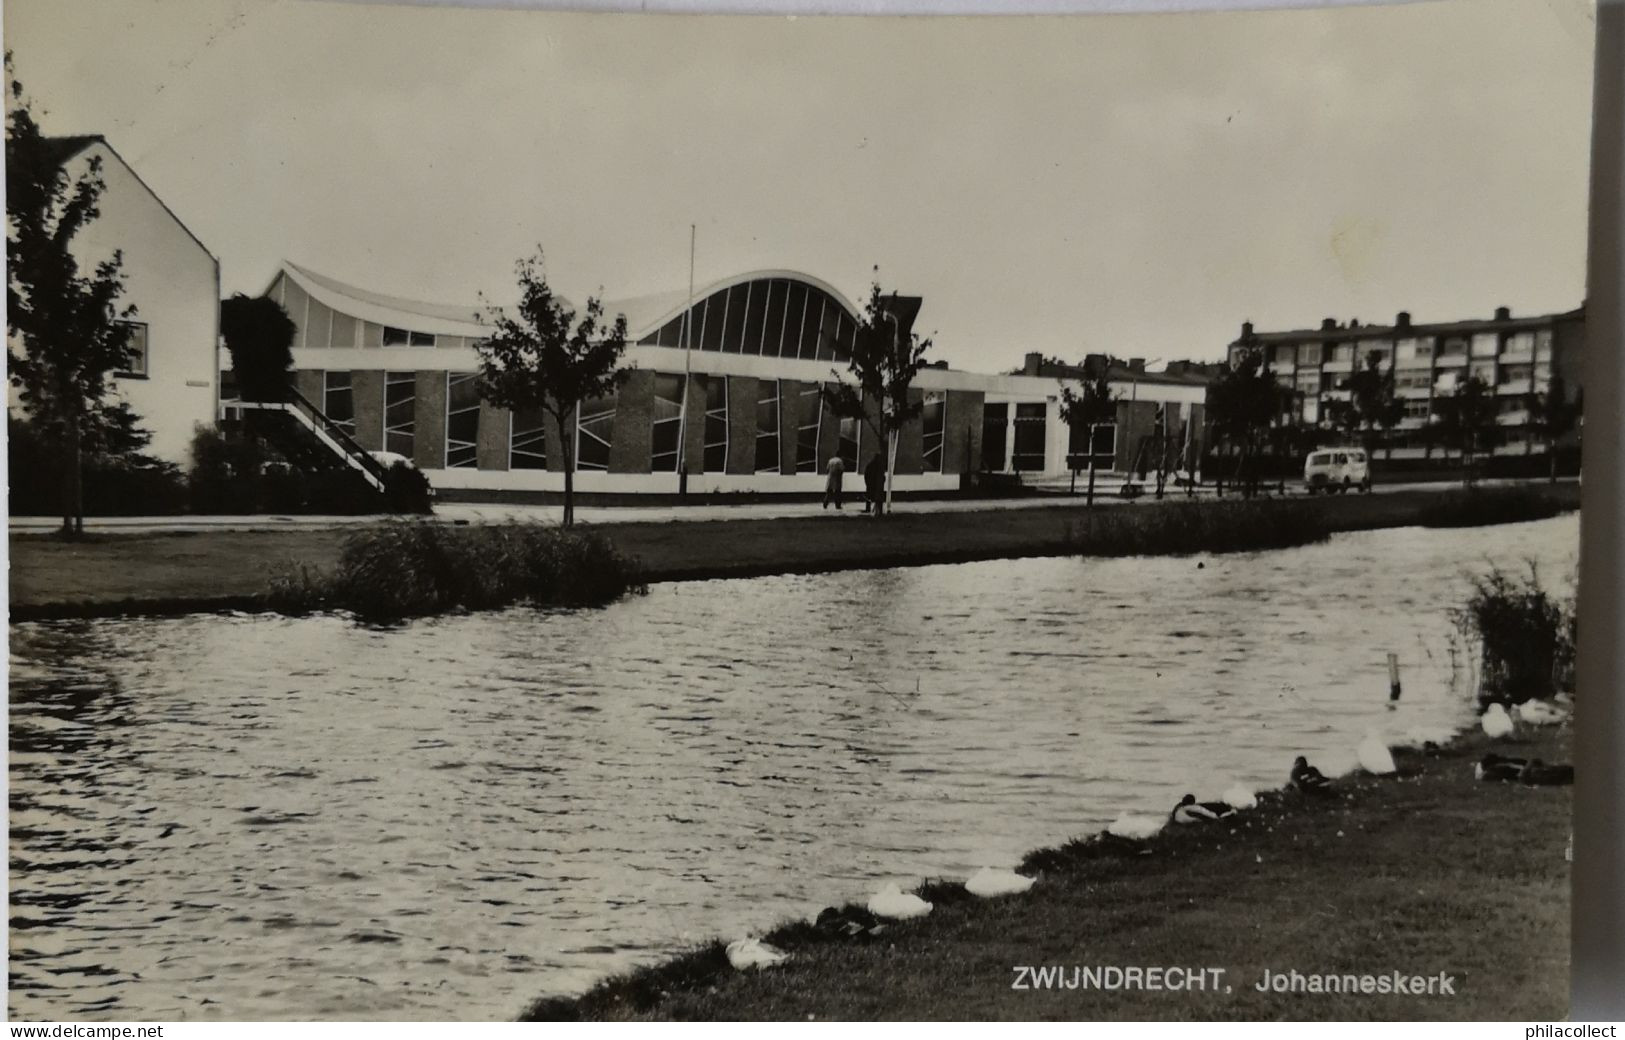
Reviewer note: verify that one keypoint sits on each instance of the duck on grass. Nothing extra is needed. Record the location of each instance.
(412, 568)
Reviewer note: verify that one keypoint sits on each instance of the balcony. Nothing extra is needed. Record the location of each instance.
(1451, 360)
(1411, 422)
(1414, 362)
(1412, 393)
(1334, 365)
(1518, 356)
(1525, 385)
(1518, 418)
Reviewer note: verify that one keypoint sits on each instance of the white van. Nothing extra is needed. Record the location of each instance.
(1337, 469)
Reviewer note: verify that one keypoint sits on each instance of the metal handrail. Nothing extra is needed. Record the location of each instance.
(355, 451)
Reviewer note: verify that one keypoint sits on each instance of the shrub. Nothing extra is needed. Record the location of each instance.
(1190, 527)
(402, 568)
(125, 483)
(1477, 507)
(1525, 636)
(406, 489)
(239, 473)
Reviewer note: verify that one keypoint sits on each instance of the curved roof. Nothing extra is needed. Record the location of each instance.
(646, 314)
(448, 319)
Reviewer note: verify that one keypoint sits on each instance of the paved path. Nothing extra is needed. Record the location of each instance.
(492, 512)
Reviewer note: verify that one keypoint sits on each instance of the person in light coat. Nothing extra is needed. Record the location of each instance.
(832, 486)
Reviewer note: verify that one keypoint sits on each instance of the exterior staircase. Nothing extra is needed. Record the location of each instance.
(328, 433)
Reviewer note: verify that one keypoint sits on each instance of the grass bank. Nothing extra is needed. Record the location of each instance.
(177, 573)
(1424, 872)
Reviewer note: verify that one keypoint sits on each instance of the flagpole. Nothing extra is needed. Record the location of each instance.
(688, 374)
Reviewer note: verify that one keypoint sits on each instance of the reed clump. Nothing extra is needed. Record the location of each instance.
(1525, 636)
(405, 568)
(1175, 528)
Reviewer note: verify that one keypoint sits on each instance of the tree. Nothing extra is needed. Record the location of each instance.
(71, 330)
(1243, 403)
(1374, 403)
(1096, 405)
(533, 359)
(1465, 417)
(259, 336)
(882, 367)
(1552, 415)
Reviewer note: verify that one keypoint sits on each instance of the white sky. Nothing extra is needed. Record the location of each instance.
(1133, 184)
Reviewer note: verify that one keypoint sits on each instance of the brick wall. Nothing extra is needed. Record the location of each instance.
(429, 448)
(632, 439)
(742, 424)
(962, 431)
(491, 443)
(367, 390)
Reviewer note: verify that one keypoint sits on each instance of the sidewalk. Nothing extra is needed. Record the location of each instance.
(496, 512)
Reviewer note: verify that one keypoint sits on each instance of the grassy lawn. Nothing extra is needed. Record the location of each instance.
(1429, 871)
(166, 573)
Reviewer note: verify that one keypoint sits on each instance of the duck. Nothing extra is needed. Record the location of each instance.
(1499, 768)
(1189, 810)
(1539, 713)
(1496, 722)
(1375, 758)
(896, 905)
(1307, 779)
(1539, 774)
(748, 953)
(989, 882)
(1135, 827)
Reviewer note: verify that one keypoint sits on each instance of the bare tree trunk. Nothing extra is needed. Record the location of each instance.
(1089, 496)
(1551, 451)
(891, 465)
(73, 509)
(567, 435)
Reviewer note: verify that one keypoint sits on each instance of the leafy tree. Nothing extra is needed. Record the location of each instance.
(882, 366)
(1465, 418)
(259, 336)
(534, 359)
(1552, 415)
(1243, 403)
(1374, 403)
(1095, 405)
(68, 323)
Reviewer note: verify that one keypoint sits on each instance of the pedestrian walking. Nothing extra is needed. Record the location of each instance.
(832, 486)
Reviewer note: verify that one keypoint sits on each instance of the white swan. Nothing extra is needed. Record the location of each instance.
(896, 905)
(1136, 828)
(1496, 722)
(989, 882)
(1375, 758)
(1539, 713)
(745, 954)
(1241, 796)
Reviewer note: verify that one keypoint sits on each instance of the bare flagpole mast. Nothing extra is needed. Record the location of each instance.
(688, 373)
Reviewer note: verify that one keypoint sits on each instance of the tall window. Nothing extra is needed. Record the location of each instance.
(400, 412)
(934, 420)
(994, 419)
(1486, 344)
(594, 426)
(715, 459)
(338, 401)
(135, 365)
(1029, 446)
(767, 426)
(667, 423)
(462, 419)
(527, 439)
(811, 413)
(847, 444)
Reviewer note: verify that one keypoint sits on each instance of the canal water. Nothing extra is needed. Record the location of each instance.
(260, 817)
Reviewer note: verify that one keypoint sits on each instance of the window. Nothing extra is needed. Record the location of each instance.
(421, 339)
(1029, 443)
(767, 426)
(338, 402)
(527, 439)
(1543, 344)
(136, 355)
(595, 427)
(934, 420)
(394, 337)
(1308, 382)
(1285, 353)
(1343, 352)
(715, 458)
(1309, 353)
(400, 412)
(811, 410)
(462, 419)
(1484, 371)
(1418, 408)
(847, 443)
(1486, 344)
(994, 420)
(667, 423)
(1520, 343)
(1453, 347)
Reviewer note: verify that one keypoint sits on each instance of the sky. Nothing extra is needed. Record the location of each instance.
(1130, 184)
